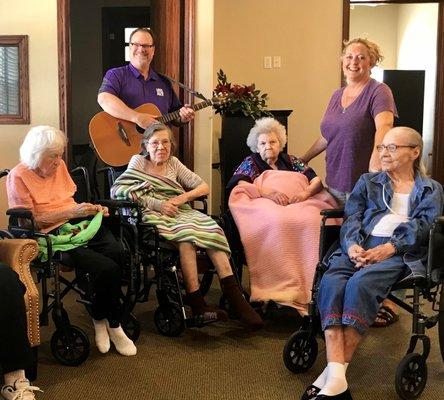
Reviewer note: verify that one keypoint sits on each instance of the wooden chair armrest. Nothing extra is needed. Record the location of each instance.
(18, 254)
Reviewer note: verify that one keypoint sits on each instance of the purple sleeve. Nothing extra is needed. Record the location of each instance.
(382, 100)
(111, 83)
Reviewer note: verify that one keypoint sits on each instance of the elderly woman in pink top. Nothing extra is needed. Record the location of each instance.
(42, 184)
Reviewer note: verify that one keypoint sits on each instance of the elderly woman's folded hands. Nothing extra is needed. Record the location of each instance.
(300, 197)
(276, 196)
(363, 258)
(86, 209)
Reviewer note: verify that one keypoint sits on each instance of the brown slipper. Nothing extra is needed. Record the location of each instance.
(385, 317)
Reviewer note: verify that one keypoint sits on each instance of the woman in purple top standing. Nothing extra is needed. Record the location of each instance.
(355, 122)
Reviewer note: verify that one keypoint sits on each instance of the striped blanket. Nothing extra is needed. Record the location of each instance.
(188, 226)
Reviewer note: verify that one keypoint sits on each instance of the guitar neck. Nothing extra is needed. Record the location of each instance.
(175, 114)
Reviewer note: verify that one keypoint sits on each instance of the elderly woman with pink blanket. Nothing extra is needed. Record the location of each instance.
(276, 201)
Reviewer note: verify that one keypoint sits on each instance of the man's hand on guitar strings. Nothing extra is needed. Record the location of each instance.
(186, 113)
(144, 120)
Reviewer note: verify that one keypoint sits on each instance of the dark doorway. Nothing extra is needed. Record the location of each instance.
(408, 91)
(114, 22)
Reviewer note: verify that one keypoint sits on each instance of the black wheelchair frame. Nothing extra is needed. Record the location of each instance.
(147, 251)
(301, 348)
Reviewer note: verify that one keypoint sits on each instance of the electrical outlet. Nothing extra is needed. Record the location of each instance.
(276, 61)
(267, 62)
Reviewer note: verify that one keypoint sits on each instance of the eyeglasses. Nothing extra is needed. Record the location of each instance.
(156, 143)
(144, 46)
(392, 148)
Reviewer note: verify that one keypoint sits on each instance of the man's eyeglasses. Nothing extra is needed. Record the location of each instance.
(144, 46)
(156, 143)
(392, 148)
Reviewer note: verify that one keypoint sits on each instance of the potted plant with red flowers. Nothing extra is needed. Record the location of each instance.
(239, 100)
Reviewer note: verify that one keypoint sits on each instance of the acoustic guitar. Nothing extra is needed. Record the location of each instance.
(116, 140)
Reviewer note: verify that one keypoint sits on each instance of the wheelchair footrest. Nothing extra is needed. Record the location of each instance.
(199, 321)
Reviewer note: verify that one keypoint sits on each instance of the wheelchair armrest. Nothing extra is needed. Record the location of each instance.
(203, 199)
(110, 203)
(20, 213)
(333, 213)
(21, 222)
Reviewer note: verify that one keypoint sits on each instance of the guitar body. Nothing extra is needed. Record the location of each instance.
(107, 138)
(116, 140)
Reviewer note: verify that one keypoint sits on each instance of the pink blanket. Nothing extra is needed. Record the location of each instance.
(280, 242)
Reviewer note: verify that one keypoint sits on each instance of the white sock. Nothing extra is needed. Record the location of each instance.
(335, 382)
(321, 379)
(101, 337)
(124, 345)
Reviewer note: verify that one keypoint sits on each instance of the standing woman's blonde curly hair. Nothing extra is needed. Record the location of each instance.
(375, 52)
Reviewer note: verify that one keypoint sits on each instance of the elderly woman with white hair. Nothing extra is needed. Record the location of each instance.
(267, 140)
(276, 201)
(42, 184)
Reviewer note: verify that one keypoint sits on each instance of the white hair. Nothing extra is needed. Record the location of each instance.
(266, 125)
(38, 141)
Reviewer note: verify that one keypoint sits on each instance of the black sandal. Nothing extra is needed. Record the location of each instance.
(387, 317)
(310, 393)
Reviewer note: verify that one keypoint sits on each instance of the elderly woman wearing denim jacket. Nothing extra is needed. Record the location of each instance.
(384, 238)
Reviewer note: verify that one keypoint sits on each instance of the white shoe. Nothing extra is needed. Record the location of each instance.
(101, 335)
(21, 390)
(124, 345)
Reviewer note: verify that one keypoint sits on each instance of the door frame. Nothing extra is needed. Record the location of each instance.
(438, 135)
(187, 14)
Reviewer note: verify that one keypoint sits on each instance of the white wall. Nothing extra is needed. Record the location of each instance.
(417, 33)
(203, 123)
(38, 20)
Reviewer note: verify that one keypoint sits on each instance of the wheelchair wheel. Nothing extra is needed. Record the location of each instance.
(71, 349)
(411, 376)
(441, 321)
(131, 327)
(169, 320)
(300, 352)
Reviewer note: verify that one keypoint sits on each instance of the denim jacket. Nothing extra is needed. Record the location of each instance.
(365, 207)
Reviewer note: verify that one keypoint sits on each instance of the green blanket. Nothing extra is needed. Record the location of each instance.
(71, 236)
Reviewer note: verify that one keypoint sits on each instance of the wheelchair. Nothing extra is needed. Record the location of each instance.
(301, 348)
(69, 344)
(153, 261)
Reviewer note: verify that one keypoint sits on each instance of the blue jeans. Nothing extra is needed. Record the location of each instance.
(351, 297)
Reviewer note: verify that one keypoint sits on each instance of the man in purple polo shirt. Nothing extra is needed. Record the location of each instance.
(130, 86)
